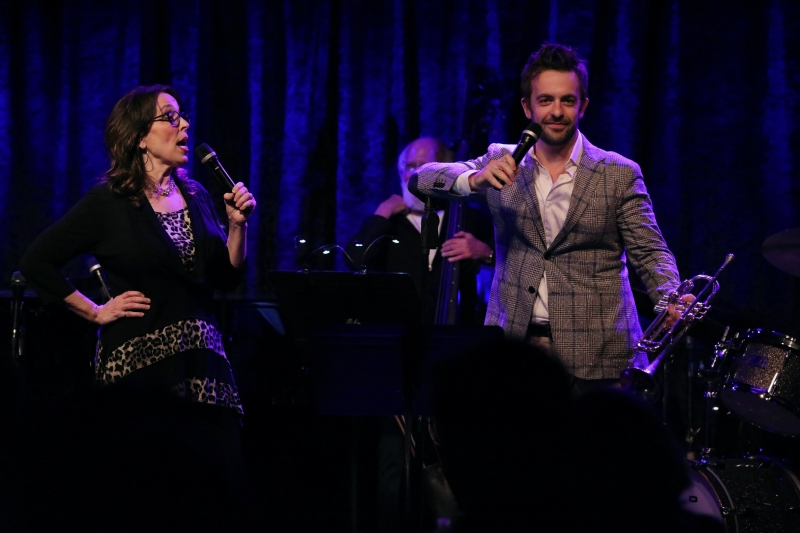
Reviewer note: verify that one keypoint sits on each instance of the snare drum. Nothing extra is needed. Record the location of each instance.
(751, 494)
(763, 383)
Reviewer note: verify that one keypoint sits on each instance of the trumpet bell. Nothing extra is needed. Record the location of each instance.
(641, 382)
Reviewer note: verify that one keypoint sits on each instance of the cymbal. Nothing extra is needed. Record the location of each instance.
(783, 250)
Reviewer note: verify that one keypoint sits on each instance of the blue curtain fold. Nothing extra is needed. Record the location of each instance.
(310, 102)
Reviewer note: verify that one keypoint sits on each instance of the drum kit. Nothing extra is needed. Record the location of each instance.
(754, 377)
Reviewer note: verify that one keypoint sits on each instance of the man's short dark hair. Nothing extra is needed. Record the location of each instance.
(552, 56)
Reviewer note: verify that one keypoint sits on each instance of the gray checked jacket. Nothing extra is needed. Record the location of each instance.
(593, 318)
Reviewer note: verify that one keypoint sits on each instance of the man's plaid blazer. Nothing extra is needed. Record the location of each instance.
(595, 326)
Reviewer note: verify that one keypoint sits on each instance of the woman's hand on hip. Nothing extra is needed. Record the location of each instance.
(129, 304)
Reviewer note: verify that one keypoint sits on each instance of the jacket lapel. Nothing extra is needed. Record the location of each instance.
(200, 233)
(527, 189)
(586, 178)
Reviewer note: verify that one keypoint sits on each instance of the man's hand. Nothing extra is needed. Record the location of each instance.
(674, 314)
(497, 174)
(464, 245)
(394, 205)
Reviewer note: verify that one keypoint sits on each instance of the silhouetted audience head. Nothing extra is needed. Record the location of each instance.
(628, 469)
(521, 453)
(501, 413)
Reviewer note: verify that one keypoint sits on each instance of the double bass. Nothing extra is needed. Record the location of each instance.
(450, 274)
(476, 139)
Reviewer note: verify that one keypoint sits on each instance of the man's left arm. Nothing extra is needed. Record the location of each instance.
(645, 246)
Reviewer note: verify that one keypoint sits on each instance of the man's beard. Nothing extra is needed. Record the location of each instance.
(563, 138)
(413, 203)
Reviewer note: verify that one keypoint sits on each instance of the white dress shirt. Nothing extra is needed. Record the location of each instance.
(416, 221)
(554, 198)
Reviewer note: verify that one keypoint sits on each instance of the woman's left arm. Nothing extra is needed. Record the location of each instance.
(239, 205)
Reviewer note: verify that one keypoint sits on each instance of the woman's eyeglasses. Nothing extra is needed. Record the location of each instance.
(173, 117)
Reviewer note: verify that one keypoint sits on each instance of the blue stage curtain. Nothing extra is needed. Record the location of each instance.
(310, 102)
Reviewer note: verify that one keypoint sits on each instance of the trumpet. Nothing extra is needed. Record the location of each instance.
(662, 337)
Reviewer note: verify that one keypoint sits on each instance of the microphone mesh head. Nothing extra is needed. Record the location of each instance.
(533, 129)
(203, 152)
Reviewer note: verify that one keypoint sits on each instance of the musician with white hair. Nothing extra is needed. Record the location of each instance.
(400, 216)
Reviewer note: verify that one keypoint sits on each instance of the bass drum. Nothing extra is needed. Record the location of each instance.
(748, 495)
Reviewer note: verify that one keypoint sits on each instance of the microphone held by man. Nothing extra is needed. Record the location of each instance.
(502, 172)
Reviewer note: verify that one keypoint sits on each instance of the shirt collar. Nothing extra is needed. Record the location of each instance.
(575, 156)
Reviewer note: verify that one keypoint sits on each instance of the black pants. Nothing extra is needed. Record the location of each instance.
(579, 386)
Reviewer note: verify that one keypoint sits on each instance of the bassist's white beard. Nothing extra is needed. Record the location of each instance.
(413, 203)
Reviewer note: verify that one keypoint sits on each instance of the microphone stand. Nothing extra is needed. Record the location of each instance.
(413, 434)
(19, 363)
(97, 271)
(429, 230)
(17, 291)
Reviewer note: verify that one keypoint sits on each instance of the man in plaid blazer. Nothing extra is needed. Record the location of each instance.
(565, 221)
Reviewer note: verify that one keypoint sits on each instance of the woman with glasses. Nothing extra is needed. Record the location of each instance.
(157, 236)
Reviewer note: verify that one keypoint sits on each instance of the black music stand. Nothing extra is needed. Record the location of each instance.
(367, 343)
(386, 370)
(352, 324)
(310, 298)
(368, 354)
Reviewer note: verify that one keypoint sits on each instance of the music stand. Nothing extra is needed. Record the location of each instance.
(310, 298)
(368, 353)
(351, 323)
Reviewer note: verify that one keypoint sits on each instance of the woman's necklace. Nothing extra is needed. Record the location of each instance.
(162, 191)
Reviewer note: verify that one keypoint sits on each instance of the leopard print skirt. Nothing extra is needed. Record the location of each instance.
(186, 357)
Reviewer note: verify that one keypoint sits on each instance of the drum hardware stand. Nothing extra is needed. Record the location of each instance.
(712, 377)
(693, 432)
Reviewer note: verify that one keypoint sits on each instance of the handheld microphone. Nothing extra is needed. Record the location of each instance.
(208, 157)
(529, 137)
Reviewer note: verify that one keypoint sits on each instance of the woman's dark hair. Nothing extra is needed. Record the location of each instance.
(129, 121)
